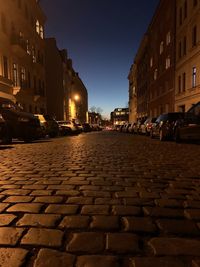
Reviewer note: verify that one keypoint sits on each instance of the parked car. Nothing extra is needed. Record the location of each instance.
(145, 128)
(86, 127)
(125, 127)
(52, 126)
(187, 128)
(164, 125)
(68, 127)
(21, 125)
(43, 125)
(4, 131)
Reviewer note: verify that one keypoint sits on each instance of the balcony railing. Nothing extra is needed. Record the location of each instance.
(18, 45)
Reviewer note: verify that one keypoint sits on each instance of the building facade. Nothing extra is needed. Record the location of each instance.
(161, 65)
(187, 75)
(67, 97)
(119, 116)
(22, 70)
(132, 93)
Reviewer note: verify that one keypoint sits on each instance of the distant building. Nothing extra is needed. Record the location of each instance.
(187, 75)
(119, 116)
(67, 97)
(94, 118)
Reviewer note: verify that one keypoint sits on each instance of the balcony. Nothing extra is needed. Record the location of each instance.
(18, 46)
(6, 81)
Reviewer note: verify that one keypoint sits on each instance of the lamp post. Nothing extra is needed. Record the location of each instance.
(77, 106)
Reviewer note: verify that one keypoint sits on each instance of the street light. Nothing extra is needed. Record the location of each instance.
(76, 97)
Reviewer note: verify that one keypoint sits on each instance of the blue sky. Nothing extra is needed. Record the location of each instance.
(101, 37)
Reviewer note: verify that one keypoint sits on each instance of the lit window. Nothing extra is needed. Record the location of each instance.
(28, 47)
(168, 38)
(37, 27)
(33, 54)
(161, 47)
(41, 32)
(168, 62)
(194, 72)
(5, 66)
(15, 74)
(155, 74)
(151, 62)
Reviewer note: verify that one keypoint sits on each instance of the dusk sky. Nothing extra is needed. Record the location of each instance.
(101, 37)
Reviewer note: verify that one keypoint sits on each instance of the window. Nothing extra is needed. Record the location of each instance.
(3, 23)
(29, 80)
(41, 32)
(5, 66)
(28, 47)
(179, 84)
(155, 74)
(15, 82)
(179, 49)
(161, 47)
(168, 38)
(194, 36)
(151, 62)
(184, 81)
(33, 54)
(194, 72)
(180, 16)
(185, 9)
(184, 45)
(22, 77)
(37, 27)
(168, 62)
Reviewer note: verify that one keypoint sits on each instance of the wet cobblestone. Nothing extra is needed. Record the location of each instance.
(101, 199)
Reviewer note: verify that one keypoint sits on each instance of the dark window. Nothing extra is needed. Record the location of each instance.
(179, 83)
(184, 45)
(5, 66)
(184, 81)
(194, 36)
(29, 79)
(179, 50)
(15, 74)
(180, 16)
(3, 23)
(185, 9)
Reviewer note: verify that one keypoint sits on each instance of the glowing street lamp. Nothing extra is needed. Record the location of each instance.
(76, 97)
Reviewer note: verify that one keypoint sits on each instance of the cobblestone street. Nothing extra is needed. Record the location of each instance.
(101, 199)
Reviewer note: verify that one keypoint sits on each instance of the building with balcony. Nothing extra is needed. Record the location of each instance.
(67, 97)
(187, 78)
(22, 72)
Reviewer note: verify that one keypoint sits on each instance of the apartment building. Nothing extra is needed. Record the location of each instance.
(187, 74)
(67, 97)
(132, 93)
(161, 66)
(22, 72)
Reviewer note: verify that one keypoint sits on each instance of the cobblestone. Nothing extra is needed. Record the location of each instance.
(98, 200)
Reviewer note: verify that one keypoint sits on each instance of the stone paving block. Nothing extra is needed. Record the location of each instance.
(89, 187)
(60, 187)
(34, 187)
(43, 237)
(163, 212)
(126, 210)
(12, 186)
(48, 199)
(6, 219)
(169, 203)
(178, 227)
(16, 192)
(10, 235)
(153, 195)
(108, 201)
(193, 214)
(53, 258)
(87, 242)
(70, 193)
(122, 243)
(159, 262)
(12, 257)
(95, 209)
(96, 194)
(45, 220)
(139, 202)
(3, 206)
(18, 199)
(97, 261)
(126, 194)
(41, 193)
(105, 223)
(75, 222)
(175, 246)
(80, 200)
(61, 209)
(191, 204)
(139, 224)
(28, 207)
